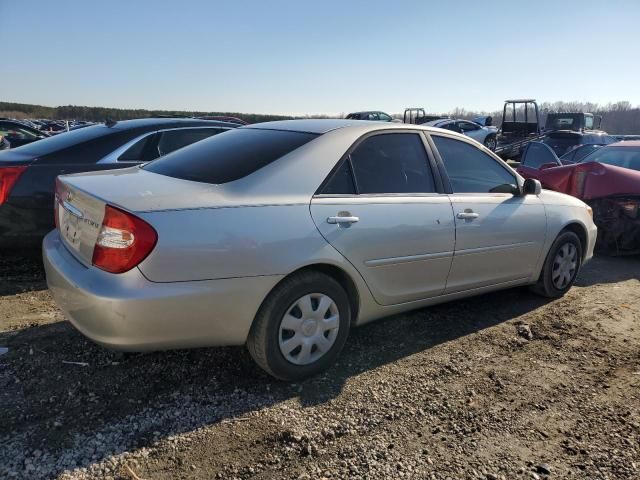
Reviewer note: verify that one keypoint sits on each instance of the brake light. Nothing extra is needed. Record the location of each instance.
(123, 242)
(8, 178)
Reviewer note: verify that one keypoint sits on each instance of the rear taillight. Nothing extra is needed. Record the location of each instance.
(8, 177)
(123, 242)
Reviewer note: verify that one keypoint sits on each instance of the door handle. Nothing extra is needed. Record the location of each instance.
(467, 215)
(343, 219)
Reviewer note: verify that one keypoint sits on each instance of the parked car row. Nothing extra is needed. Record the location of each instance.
(284, 235)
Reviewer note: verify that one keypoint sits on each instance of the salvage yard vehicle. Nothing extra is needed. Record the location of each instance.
(418, 116)
(608, 179)
(487, 135)
(284, 235)
(520, 125)
(563, 141)
(576, 121)
(27, 173)
(19, 134)
(375, 116)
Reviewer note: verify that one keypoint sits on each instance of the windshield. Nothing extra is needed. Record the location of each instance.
(626, 157)
(64, 140)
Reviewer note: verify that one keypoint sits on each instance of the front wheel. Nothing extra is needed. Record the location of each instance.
(301, 327)
(561, 266)
(491, 142)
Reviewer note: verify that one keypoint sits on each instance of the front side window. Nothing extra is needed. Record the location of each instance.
(392, 163)
(385, 117)
(588, 122)
(467, 126)
(470, 170)
(373, 116)
(537, 154)
(229, 156)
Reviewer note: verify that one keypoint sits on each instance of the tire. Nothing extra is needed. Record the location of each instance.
(556, 278)
(491, 142)
(269, 338)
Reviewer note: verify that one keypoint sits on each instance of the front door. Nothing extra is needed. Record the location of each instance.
(381, 210)
(499, 233)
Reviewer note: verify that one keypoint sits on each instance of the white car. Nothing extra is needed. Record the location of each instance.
(486, 135)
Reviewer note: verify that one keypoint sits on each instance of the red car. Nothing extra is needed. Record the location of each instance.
(608, 179)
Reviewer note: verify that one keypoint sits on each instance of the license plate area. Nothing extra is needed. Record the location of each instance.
(70, 223)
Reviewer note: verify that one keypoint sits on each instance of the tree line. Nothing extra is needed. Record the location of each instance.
(100, 114)
(619, 118)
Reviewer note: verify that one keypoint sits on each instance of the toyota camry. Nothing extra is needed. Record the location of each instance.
(284, 235)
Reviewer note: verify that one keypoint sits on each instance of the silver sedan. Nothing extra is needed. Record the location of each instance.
(284, 235)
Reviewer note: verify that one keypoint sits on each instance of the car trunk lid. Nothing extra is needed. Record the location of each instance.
(78, 217)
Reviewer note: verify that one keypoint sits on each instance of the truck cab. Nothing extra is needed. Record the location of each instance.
(575, 121)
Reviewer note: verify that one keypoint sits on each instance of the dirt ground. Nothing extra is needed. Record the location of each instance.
(500, 386)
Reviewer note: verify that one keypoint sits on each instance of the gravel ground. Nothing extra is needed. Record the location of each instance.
(501, 386)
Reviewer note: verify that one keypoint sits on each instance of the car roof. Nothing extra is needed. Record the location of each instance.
(168, 122)
(318, 126)
(322, 126)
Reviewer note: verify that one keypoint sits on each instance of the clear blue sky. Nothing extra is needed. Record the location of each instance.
(323, 56)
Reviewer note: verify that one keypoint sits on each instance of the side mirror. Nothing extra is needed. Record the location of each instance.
(531, 187)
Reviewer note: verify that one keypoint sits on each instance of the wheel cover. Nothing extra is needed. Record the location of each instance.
(565, 265)
(309, 329)
(490, 143)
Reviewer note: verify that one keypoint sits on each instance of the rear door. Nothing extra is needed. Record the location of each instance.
(499, 234)
(385, 211)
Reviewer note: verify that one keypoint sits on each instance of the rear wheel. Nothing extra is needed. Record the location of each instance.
(491, 142)
(561, 266)
(301, 327)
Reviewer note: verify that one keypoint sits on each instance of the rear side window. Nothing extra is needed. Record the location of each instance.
(138, 151)
(229, 156)
(392, 163)
(175, 139)
(470, 170)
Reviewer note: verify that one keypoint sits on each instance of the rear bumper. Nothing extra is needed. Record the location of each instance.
(128, 312)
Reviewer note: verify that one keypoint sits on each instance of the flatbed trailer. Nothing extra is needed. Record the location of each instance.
(520, 126)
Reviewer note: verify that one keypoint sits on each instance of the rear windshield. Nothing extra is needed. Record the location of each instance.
(561, 143)
(64, 140)
(564, 122)
(230, 155)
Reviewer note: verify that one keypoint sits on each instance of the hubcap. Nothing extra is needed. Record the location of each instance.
(491, 143)
(565, 265)
(309, 329)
